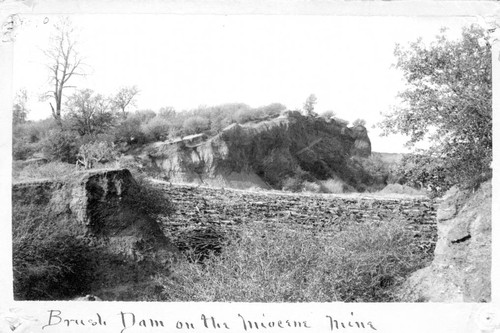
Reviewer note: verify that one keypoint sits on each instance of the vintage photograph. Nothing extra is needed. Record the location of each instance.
(251, 158)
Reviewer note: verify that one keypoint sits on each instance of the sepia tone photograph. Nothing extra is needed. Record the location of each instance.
(251, 158)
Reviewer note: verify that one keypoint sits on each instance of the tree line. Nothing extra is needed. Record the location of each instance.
(447, 101)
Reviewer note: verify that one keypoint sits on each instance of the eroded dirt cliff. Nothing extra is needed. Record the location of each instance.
(461, 270)
(114, 241)
(264, 153)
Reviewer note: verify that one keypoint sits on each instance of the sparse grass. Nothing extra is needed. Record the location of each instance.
(51, 170)
(362, 263)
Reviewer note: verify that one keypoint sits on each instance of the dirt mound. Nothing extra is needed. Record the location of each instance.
(461, 268)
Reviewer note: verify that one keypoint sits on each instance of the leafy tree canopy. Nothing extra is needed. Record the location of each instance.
(309, 105)
(89, 113)
(447, 101)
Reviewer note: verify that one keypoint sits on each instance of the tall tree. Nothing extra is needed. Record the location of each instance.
(64, 63)
(310, 104)
(124, 98)
(89, 113)
(447, 101)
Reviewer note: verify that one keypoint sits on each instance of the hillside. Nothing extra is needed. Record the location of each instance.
(266, 153)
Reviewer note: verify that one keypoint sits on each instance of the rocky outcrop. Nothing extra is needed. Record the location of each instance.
(101, 211)
(461, 270)
(265, 153)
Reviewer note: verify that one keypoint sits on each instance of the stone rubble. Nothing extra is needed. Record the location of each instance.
(199, 209)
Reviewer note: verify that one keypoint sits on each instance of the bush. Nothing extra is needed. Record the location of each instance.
(21, 149)
(196, 124)
(142, 115)
(26, 137)
(327, 115)
(311, 187)
(333, 186)
(292, 184)
(60, 145)
(92, 153)
(424, 172)
(130, 131)
(57, 267)
(156, 129)
(359, 122)
(363, 263)
(47, 265)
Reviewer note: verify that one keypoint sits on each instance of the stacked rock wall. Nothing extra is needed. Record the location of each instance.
(228, 209)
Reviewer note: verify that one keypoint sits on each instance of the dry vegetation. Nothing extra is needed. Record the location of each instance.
(363, 263)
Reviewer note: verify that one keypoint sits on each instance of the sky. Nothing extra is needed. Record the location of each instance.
(185, 61)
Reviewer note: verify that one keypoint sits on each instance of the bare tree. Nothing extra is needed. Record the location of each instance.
(124, 98)
(64, 63)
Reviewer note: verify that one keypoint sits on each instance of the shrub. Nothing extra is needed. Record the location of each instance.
(292, 184)
(57, 267)
(92, 153)
(143, 115)
(359, 122)
(130, 131)
(47, 265)
(422, 171)
(26, 137)
(60, 145)
(327, 114)
(21, 149)
(156, 129)
(361, 263)
(333, 186)
(341, 121)
(242, 116)
(273, 109)
(196, 124)
(311, 187)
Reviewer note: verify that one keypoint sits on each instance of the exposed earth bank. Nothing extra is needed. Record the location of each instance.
(265, 153)
(461, 270)
(95, 224)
